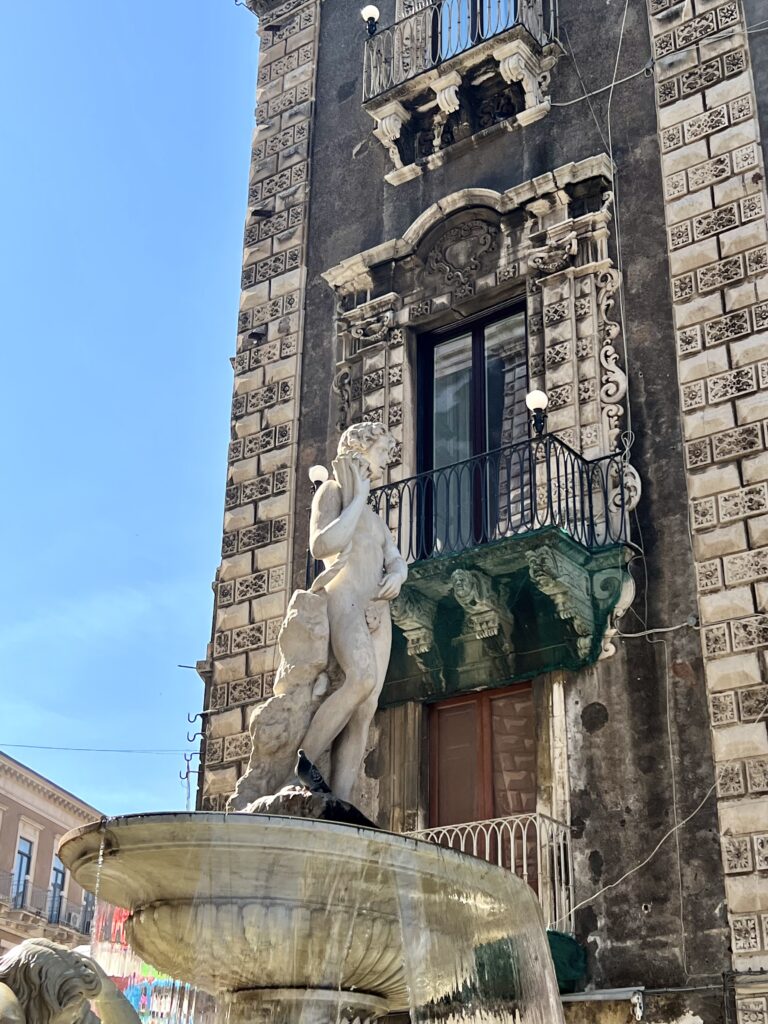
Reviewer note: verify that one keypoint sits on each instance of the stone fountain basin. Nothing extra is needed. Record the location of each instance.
(241, 902)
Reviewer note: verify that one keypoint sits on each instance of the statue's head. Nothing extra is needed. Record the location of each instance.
(373, 442)
(53, 985)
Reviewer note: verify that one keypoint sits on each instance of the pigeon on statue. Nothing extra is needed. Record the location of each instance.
(309, 776)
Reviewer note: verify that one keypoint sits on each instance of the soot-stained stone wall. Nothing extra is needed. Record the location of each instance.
(638, 733)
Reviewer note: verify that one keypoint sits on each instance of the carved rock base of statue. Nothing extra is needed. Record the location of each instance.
(300, 802)
(278, 726)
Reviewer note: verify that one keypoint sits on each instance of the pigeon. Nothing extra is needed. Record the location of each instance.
(309, 776)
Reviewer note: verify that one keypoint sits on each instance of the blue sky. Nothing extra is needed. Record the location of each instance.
(126, 146)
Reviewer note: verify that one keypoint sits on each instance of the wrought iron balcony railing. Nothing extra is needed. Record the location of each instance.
(50, 905)
(510, 492)
(535, 847)
(432, 35)
(514, 490)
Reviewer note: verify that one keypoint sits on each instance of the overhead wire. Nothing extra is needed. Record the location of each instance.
(93, 750)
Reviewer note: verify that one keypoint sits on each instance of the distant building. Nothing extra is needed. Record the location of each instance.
(37, 895)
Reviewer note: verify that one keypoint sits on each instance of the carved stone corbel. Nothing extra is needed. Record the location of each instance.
(390, 120)
(371, 332)
(625, 599)
(568, 585)
(554, 256)
(518, 63)
(446, 89)
(483, 608)
(415, 615)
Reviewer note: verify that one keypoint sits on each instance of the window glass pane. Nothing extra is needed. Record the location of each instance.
(452, 398)
(58, 873)
(21, 870)
(452, 443)
(506, 381)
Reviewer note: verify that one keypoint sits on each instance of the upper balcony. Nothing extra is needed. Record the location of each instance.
(429, 38)
(455, 68)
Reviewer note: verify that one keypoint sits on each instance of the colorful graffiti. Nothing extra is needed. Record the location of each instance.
(156, 998)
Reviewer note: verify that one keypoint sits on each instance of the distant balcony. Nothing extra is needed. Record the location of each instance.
(428, 38)
(457, 70)
(533, 846)
(28, 907)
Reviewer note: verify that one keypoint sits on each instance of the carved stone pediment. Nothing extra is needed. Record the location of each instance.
(459, 254)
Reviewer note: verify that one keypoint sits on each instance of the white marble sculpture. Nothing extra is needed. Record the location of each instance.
(44, 983)
(325, 703)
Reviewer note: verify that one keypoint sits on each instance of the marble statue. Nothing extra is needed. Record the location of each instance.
(354, 543)
(335, 641)
(44, 983)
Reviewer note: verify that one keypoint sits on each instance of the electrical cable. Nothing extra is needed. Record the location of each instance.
(660, 629)
(646, 70)
(612, 885)
(93, 750)
(583, 86)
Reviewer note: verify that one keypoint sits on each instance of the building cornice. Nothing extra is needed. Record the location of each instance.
(38, 784)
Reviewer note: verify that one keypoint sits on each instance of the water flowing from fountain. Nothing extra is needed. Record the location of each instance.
(308, 921)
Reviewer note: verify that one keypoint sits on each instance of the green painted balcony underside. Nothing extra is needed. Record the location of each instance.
(502, 612)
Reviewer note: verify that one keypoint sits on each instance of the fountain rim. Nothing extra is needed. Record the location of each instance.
(238, 819)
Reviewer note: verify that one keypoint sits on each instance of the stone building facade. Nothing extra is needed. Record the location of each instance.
(572, 201)
(37, 896)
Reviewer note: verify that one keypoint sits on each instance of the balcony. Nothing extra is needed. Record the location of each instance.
(29, 910)
(533, 846)
(517, 562)
(432, 36)
(454, 68)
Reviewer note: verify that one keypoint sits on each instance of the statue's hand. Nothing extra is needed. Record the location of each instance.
(390, 586)
(361, 477)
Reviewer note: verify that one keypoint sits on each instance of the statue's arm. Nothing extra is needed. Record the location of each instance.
(10, 1008)
(331, 528)
(112, 1006)
(395, 568)
(393, 561)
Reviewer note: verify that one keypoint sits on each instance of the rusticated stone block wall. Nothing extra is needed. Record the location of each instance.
(253, 581)
(715, 204)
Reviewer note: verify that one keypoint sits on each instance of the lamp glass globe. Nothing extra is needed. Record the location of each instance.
(536, 400)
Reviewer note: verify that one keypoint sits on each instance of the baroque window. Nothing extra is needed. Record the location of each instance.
(514, 540)
(472, 384)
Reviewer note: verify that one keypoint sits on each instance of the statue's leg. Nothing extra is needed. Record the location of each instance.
(350, 749)
(356, 656)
